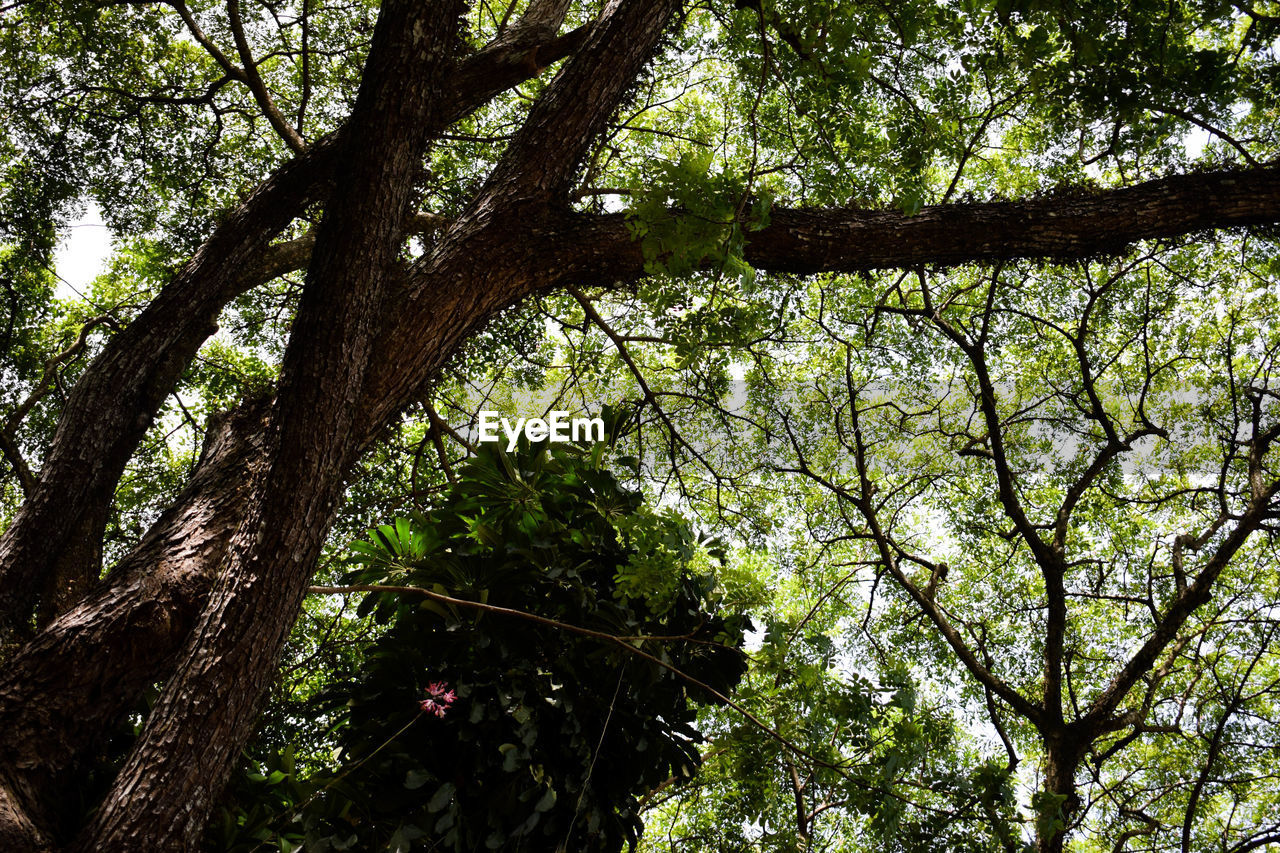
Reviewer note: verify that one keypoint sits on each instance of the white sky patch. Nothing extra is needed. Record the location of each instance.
(82, 254)
(1195, 141)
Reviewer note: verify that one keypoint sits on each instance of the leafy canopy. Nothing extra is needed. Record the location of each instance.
(548, 737)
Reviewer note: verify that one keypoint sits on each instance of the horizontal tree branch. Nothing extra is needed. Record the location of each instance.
(599, 249)
(1065, 226)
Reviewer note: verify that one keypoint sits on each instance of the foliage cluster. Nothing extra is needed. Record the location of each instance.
(553, 735)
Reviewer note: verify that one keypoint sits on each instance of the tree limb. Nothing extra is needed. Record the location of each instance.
(256, 85)
(1196, 594)
(578, 104)
(9, 446)
(1059, 227)
(119, 394)
(176, 770)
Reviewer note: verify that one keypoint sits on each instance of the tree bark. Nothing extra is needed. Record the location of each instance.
(67, 689)
(164, 792)
(1060, 227)
(162, 796)
(1064, 750)
(123, 646)
(116, 399)
(119, 394)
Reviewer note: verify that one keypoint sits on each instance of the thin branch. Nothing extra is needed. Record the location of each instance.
(862, 503)
(624, 643)
(1208, 128)
(207, 43)
(256, 85)
(305, 72)
(9, 446)
(620, 344)
(1195, 595)
(45, 383)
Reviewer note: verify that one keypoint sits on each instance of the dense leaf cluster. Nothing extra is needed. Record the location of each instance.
(552, 736)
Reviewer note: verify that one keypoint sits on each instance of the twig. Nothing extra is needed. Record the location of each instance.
(624, 643)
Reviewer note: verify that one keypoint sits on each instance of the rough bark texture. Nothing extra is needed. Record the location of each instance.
(1057, 227)
(71, 685)
(119, 394)
(163, 795)
(1064, 750)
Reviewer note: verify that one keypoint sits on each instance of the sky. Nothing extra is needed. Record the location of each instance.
(82, 254)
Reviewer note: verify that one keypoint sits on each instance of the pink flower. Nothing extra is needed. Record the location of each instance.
(439, 698)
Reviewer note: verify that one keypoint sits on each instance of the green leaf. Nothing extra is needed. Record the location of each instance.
(547, 801)
(442, 797)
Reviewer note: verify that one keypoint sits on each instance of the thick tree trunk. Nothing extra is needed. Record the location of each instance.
(163, 794)
(69, 687)
(125, 636)
(143, 648)
(114, 403)
(1063, 753)
(120, 393)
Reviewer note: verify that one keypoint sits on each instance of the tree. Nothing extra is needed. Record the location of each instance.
(449, 176)
(1048, 496)
(473, 728)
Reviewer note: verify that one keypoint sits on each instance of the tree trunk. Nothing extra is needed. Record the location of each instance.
(217, 582)
(115, 401)
(1063, 753)
(119, 394)
(67, 689)
(163, 795)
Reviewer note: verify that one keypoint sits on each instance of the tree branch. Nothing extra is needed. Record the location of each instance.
(578, 104)
(1195, 595)
(624, 643)
(862, 502)
(473, 274)
(50, 369)
(175, 770)
(193, 26)
(66, 690)
(1062, 227)
(294, 255)
(9, 446)
(256, 85)
(119, 394)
